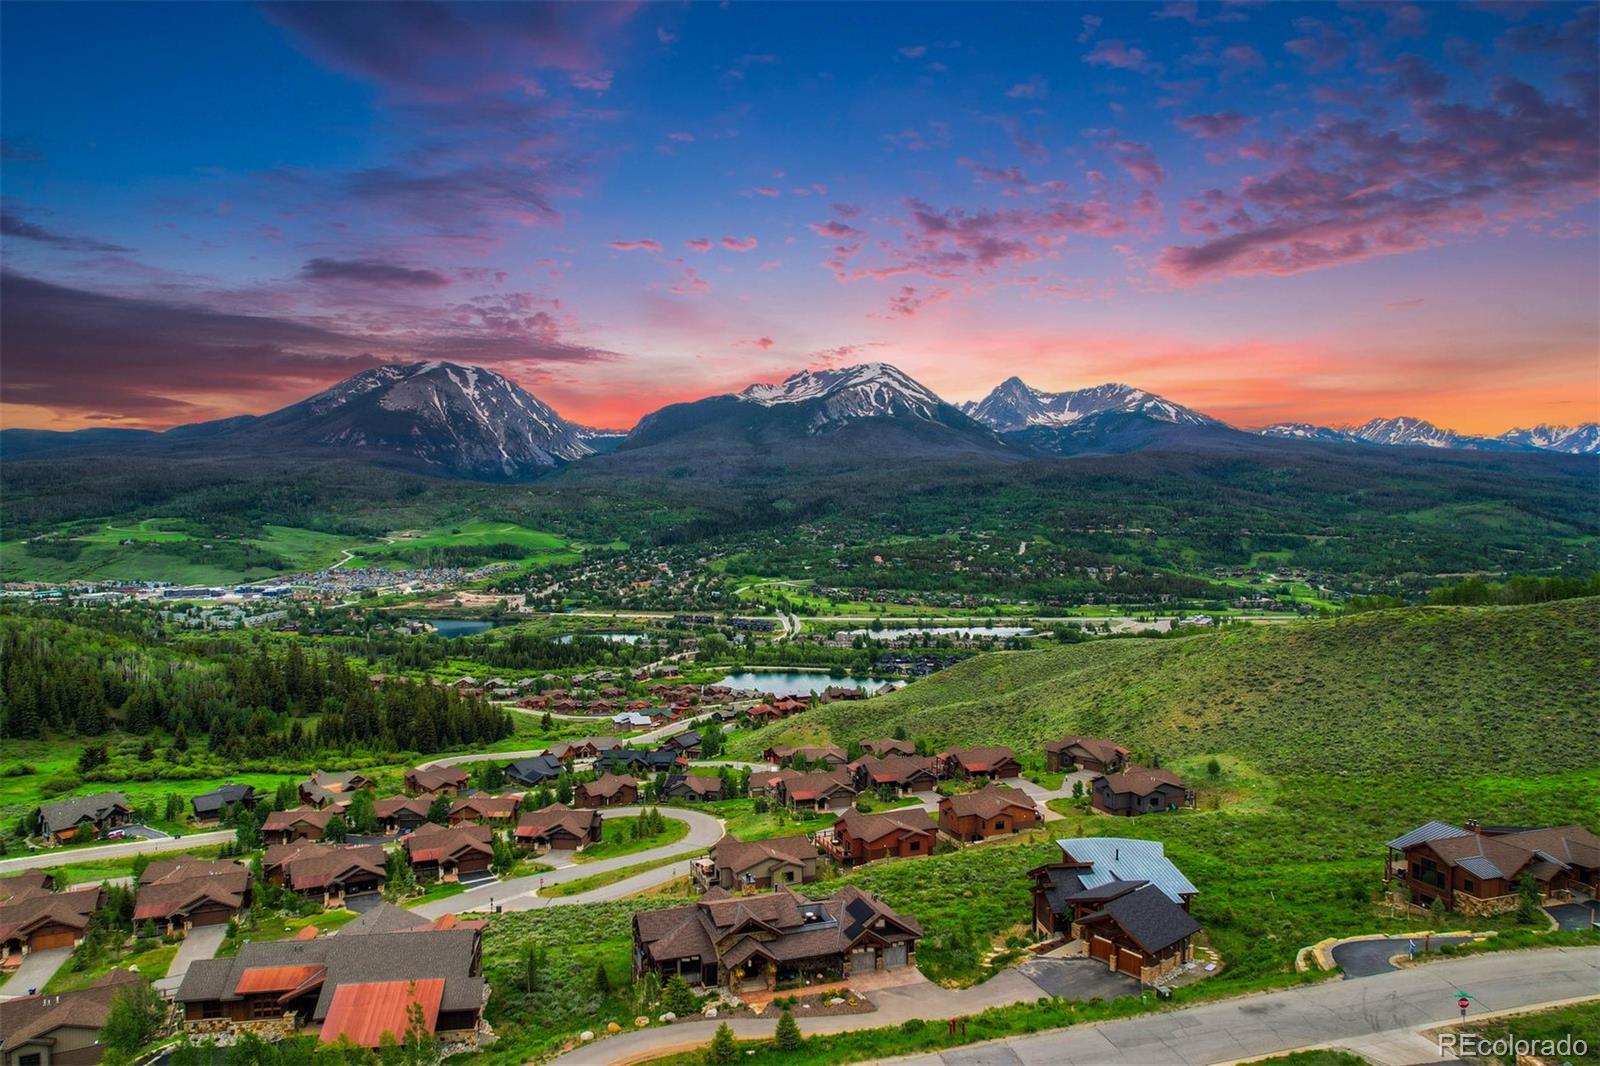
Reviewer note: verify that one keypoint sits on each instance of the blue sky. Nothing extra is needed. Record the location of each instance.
(1306, 211)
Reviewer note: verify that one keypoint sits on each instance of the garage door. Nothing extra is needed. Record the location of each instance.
(863, 960)
(894, 956)
(1100, 948)
(51, 940)
(1130, 962)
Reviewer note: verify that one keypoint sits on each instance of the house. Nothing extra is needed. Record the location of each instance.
(640, 761)
(888, 746)
(178, 895)
(840, 692)
(36, 919)
(401, 814)
(991, 763)
(686, 744)
(82, 816)
(693, 788)
(859, 837)
(789, 705)
(1084, 753)
(784, 755)
(609, 790)
(26, 883)
(900, 774)
(766, 782)
(1123, 900)
(559, 827)
(751, 864)
(764, 712)
(299, 824)
(819, 791)
(584, 748)
(423, 780)
(323, 788)
(208, 806)
(773, 940)
(1139, 790)
(993, 811)
(62, 1028)
(328, 873)
(539, 770)
(448, 853)
(357, 985)
(492, 810)
(1476, 869)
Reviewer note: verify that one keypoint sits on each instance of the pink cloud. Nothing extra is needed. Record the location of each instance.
(1139, 161)
(909, 301)
(1213, 126)
(914, 51)
(764, 343)
(1119, 55)
(698, 244)
(1035, 88)
(681, 135)
(636, 246)
(767, 191)
(594, 80)
(833, 229)
(738, 244)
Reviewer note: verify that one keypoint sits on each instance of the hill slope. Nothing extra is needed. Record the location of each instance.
(1438, 690)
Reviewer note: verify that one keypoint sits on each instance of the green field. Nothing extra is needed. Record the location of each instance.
(395, 551)
(1440, 690)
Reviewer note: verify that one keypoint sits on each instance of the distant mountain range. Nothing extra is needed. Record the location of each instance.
(1582, 439)
(462, 421)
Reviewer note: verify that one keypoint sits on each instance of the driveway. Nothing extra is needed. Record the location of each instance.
(1363, 958)
(36, 970)
(1078, 979)
(201, 943)
(141, 832)
(362, 902)
(1576, 915)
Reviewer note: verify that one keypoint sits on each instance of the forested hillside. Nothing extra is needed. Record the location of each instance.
(1436, 689)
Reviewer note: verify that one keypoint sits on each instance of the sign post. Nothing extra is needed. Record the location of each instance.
(1462, 1003)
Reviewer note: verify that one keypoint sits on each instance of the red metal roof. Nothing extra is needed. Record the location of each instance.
(364, 1012)
(276, 978)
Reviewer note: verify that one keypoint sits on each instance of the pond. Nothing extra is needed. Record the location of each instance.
(614, 638)
(800, 682)
(460, 627)
(979, 632)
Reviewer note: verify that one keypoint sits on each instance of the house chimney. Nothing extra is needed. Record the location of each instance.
(1472, 825)
(1116, 856)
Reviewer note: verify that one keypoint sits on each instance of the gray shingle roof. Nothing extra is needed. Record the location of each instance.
(64, 814)
(1150, 918)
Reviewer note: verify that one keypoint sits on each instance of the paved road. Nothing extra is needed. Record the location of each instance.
(1336, 1013)
(35, 972)
(1363, 958)
(201, 943)
(520, 894)
(668, 730)
(40, 860)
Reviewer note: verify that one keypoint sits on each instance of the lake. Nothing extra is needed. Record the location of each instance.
(995, 632)
(799, 682)
(460, 627)
(615, 638)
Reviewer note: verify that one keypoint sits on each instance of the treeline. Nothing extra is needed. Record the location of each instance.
(252, 701)
(1476, 592)
(457, 555)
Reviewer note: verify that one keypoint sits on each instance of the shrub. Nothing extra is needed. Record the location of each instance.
(788, 1036)
(724, 1048)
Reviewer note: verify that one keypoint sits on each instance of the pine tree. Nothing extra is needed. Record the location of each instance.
(724, 1048)
(788, 1037)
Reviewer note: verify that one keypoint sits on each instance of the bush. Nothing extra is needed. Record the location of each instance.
(724, 1048)
(678, 998)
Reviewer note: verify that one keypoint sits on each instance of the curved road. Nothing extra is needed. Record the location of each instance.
(1380, 1011)
(521, 894)
(63, 856)
(670, 729)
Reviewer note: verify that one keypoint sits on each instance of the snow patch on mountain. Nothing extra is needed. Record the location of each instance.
(1015, 405)
(869, 390)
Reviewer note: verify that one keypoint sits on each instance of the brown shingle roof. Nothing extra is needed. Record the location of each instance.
(980, 760)
(1142, 781)
(988, 802)
(879, 824)
(31, 1017)
(740, 855)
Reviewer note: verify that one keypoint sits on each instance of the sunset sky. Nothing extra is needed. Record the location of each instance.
(1268, 212)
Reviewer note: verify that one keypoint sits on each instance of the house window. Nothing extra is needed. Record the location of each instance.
(1468, 886)
(265, 1008)
(788, 875)
(916, 845)
(211, 1008)
(1000, 825)
(30, 1059)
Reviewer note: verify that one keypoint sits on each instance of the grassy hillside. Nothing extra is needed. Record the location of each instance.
(1439, 689)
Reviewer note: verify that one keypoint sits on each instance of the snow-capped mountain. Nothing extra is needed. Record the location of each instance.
(1582, 439)
(1417, 433)
(869, 390)
(1015, 405)
(460, 420)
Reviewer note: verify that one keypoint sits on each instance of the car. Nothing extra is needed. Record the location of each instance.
(116, 834)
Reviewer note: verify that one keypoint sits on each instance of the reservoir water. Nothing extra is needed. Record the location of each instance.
(799, 682)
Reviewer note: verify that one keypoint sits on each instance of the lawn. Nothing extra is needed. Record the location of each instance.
(152, 962)
(617, 839)
(395, 551)
(80, 873)
(276, 925)
(611, 877)
(745, 823)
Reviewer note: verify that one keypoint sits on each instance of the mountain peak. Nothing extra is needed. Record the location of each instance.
(866, 390)
(1015, 405)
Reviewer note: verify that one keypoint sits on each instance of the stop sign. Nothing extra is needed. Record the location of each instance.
(1463, 1002)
